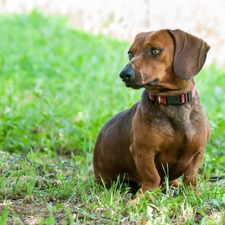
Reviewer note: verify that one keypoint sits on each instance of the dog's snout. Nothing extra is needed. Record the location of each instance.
(127, 74)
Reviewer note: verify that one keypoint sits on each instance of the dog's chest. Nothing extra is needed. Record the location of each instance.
(175, 139)
(174, 122)
(171, 133)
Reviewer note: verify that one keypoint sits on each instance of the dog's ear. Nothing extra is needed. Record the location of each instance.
(189, 54)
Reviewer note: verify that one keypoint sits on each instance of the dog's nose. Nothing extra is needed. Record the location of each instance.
(127, 74)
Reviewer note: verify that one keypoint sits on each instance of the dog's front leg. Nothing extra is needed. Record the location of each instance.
(191, 172)
(145, 165)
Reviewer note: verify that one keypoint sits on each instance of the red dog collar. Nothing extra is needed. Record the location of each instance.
(173, 100)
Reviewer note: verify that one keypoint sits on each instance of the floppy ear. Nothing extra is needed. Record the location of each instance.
(189, 54)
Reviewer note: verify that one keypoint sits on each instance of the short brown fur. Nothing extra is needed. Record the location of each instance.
(150, 141)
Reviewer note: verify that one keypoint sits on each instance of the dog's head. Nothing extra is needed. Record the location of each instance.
(160, 59)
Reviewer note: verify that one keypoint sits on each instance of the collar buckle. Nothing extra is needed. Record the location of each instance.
(159, 99)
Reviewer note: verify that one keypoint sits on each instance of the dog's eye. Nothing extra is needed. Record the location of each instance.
(130, 56)
(154, 51)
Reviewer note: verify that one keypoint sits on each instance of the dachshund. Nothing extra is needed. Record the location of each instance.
(164, 134)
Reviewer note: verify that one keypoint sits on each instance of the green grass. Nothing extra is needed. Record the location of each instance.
(58, 86)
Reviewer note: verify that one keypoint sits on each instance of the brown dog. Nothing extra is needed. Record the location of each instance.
(164, 134)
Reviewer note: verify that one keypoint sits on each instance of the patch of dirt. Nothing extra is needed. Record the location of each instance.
(42, 208)
(29, 211)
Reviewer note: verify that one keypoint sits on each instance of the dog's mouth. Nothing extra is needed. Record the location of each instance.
(138, 86)
(134, 86)
(154, 82)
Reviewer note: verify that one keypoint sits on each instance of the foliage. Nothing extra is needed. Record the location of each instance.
(53, 84)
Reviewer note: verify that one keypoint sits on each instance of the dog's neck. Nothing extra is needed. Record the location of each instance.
(175, 99)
